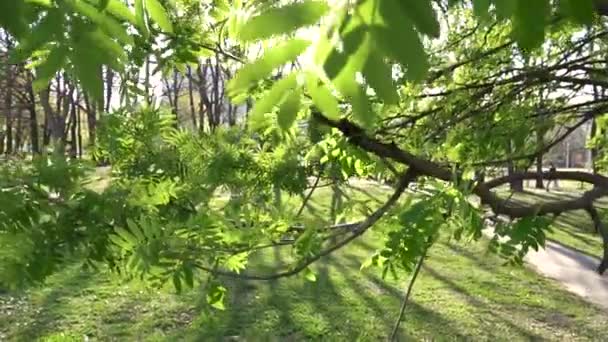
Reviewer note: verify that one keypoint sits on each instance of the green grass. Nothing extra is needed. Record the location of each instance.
(463, 293)
(573, 229)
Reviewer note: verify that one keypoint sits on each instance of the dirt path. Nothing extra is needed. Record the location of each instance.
(574, 270)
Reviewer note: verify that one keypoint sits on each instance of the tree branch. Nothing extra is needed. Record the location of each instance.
(359, 230)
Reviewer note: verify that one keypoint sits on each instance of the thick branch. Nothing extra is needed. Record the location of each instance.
(359, 138)
(601, 228)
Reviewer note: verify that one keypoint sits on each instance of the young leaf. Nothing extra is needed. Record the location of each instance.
(261, 68)
(274, 96)
(323, 98)
(159, 15)
(288, 111)
(283, 20)
(215, 296)
(310, 275)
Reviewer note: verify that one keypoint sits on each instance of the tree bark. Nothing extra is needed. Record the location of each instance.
(8, 100)
(33, 115)
(109, 90)
(515, 185)
(603, 231)
(55, 125)
(191, 98)
(91, 120)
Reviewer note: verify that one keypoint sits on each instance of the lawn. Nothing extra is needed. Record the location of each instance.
(463, 293)
(573, 229)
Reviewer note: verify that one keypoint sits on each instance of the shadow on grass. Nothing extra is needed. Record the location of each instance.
(44, 320)
(366, 193)
(466, 295)
(431, 319)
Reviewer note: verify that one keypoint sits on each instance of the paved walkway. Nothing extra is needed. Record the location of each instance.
(574, 270)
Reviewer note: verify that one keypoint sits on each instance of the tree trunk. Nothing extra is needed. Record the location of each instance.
(176, 96)
(79, 127)
(8, 101)
(539, 172)
(91, 120)
(54, 123)
(191, 98)
(203, 106)
(109, 86)
(33, 115)
(73, 126)
(603, 231)
(19, 133)
(515, 185)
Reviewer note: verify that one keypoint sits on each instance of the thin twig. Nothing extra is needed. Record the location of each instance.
(312, 190)
(408, 293)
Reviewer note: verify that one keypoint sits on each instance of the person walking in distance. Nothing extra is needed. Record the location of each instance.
(552, 171)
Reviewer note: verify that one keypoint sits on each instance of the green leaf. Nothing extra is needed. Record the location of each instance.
(529, 22)
(158, 13)
(283, 20)
(125, 235)
(177, 282)
(140, 18)
(379, 76)
(41, 34)
(188, 275)
(581, 11)
(398, 39)
(117, 8)
(422, 14)
(105, 22)
(103, 49)
(288, 111)
(310, 275)
(120, 242)
(504, 9)
(47, 70)
(12, 17)
(481, 8)
(103, 4)
(44, 3)
(274, 96)
(261, 68)
(362, 108)
(216, 295)
(357, 44)
(133, 227)
(323, 98)
(88, 70)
